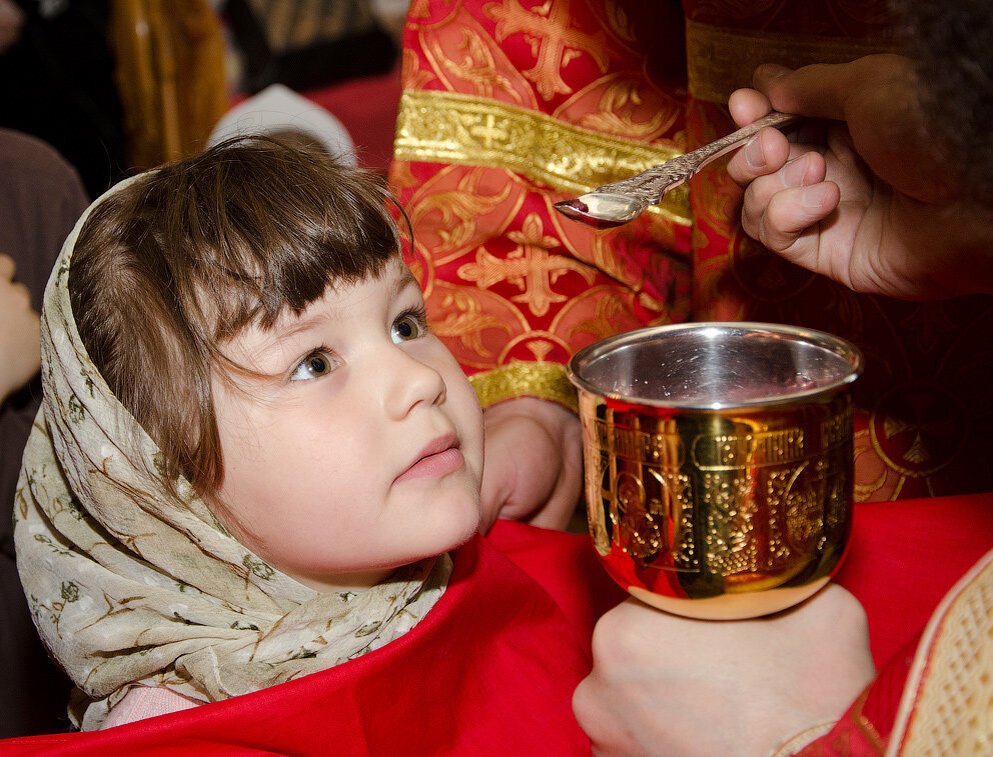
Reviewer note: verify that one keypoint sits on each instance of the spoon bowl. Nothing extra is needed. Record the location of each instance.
(602, 209)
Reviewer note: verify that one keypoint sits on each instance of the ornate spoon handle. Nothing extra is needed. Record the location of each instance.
(651, 185)
(624, 200)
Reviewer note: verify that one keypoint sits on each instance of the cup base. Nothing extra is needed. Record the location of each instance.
(741, 606)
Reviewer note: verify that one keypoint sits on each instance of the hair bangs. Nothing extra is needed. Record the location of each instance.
(273, 228)
(182, 259)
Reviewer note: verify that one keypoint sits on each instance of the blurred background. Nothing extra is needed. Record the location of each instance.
(118, 86)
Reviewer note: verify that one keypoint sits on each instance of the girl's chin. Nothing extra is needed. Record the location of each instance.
(459, 535)
(465, 531)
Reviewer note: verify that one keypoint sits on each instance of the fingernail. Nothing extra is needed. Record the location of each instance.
(754, 156)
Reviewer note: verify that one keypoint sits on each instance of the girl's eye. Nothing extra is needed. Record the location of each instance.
(315, 365)
(408, 326)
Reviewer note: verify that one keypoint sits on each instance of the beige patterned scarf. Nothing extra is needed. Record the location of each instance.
(129, 584)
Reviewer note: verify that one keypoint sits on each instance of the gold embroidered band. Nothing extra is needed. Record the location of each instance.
(545, 381)
(721, 60)
(448, 127)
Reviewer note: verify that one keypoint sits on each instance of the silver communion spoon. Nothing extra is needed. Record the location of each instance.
(623, 201)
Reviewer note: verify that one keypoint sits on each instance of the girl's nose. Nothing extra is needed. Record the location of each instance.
(411, 382)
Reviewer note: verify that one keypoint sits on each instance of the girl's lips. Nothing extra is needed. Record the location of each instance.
(438, 459)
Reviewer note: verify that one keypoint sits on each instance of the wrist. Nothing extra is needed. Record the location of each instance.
(533, 469)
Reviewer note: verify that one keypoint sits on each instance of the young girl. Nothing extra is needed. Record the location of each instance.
(251, 465)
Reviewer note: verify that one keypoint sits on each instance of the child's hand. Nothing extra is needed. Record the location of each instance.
(532, 463)
(20, 332)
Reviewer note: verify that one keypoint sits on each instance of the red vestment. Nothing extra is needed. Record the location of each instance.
(904, 561)
(508, 107)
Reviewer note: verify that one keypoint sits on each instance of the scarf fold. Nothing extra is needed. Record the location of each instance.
(129, 584)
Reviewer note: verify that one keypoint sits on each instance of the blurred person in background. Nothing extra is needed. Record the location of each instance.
(41, 197)
(57, 83)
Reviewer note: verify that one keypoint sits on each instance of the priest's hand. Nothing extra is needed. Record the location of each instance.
(667, 685)
(533, 463)
(20, 332)
(859, 195)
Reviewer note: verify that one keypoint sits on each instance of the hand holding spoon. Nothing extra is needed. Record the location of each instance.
(623, 201)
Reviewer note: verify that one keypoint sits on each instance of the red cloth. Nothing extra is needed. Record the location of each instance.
(492, 668)
(904, 557)
(489, 671)
(367, 107)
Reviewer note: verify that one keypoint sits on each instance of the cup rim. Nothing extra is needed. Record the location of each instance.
(835, 344)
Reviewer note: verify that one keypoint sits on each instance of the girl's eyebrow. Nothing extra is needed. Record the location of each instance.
(404, 280)
(304, 324)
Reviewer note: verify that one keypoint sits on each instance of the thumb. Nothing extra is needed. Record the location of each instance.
(7, 268)
(815, 91)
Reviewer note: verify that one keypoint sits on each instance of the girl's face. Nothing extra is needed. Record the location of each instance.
(363, 452)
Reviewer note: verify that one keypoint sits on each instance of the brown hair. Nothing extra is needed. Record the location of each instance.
(168, 268)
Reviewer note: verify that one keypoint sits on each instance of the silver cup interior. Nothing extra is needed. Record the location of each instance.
(716, 365)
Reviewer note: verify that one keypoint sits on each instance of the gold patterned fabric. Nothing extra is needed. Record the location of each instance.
(510, 106)
(170, 76)
(455, 128)
(129, 584)
(494, 127)
(545, 380)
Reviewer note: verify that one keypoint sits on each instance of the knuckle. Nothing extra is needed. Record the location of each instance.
(772, 237)
(611, 639)
(603, 639)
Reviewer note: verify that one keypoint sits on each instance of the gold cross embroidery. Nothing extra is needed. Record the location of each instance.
(529, 267)
(489, 132)
(551, 39)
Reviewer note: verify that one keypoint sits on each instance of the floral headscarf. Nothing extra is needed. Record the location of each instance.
(129, 584)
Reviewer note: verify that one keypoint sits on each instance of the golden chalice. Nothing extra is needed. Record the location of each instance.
(719, 467)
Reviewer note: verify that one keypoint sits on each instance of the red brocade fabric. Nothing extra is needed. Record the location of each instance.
(506, 277)
(509, 106)
(903, 559)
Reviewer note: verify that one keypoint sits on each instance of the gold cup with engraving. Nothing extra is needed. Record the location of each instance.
(719, 463)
